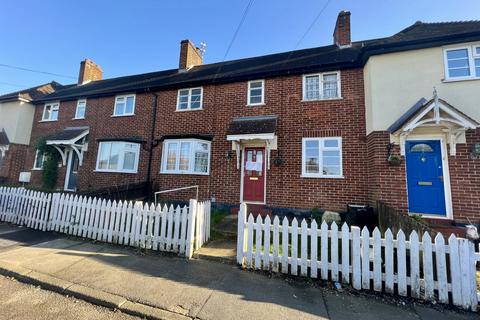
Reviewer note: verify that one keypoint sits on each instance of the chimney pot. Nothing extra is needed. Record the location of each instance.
(190, 55)
(89, 71)
(341, 35)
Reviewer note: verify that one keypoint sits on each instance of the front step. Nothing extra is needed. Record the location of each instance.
(255, 210)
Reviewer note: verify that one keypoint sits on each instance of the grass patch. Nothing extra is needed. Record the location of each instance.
(217, 216)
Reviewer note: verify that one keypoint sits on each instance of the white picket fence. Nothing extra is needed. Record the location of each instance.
(175, 229)
(413, 267)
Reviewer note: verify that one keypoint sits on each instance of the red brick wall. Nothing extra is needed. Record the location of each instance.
(102, 125)
(14, 163)
(296, 119)
(465, 180)
(388, 183)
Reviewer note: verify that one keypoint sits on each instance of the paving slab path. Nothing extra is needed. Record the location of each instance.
(203, 289)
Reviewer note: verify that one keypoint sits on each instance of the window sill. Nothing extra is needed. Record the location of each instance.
(48, 120)
(317, 100)
(186, 110)
(186, 173)
(255, 105)
(321, 177)
(460, 79)
(78, 118)
(37, 169)
(115, 171)
(122, 115)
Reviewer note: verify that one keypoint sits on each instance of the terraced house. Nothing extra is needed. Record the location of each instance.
(392, 119)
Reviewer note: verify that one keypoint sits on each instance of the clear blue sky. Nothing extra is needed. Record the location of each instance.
(129, 37)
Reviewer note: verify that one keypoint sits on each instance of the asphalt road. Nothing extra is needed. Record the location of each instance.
(22, 301)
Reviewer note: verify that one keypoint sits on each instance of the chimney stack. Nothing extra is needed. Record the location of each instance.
(190, 55)
(89, 71)
(342, 36)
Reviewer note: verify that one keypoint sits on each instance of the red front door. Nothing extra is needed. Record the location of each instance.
(254, 175)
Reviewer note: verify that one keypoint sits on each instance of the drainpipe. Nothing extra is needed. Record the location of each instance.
(153, 143)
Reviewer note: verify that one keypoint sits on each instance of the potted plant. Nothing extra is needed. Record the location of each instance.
(394, 160)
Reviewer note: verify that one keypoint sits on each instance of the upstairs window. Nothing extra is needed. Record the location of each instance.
(39, 160)
(256, 93)
(322, 157)
(50, 111)
(322, 86)
(462, 63)
(118, 156)
(124, 105)
(189, 99)
(190, 156)
(81, 107)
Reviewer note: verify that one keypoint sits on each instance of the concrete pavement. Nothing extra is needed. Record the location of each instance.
(203, 289)
(21, 301)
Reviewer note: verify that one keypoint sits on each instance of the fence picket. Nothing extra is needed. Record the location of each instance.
(86, 220)
(414, 265)
(183, 232)
(377, 260)
(441, 268)
(303, 248)
(324, 250)
(258, 242)
(356, 259)
(334, 251)
(314, 250)
(285, 225)
(389, 284)
(128, 224)
(116, 225)
(456, 278)
(345, 254)
(249, 241)
(151, 211)
(176, 228)
(170, 227)
(365, 258)
(402, 264)
(266, 243)
(428, 266)
(294, 256)
(463, 245)
(163, 227)
(276, 242)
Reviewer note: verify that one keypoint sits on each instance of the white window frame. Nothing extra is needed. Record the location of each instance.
(37, 154)
(320, 83)
(191, 157)
(79, 101)
(472, 55)
(120, 158)
(320, 159)
(249, 93)
(125, 96)
(189, 106)
(53, 106)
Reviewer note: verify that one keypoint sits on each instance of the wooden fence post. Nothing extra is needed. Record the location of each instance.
(241, 234)
(192, 210)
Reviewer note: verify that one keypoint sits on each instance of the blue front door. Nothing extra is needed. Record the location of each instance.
(426, 191)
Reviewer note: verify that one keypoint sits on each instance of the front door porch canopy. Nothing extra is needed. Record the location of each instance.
(435, 113)
(245, 129)
(69, 138)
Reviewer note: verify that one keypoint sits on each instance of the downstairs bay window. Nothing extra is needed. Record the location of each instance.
(322, 157)
(188, 156)
(118, 156)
